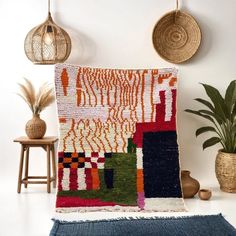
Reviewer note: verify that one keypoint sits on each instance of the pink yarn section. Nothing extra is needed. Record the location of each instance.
(141, 200)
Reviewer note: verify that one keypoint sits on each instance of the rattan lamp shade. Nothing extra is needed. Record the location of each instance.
(47, 43)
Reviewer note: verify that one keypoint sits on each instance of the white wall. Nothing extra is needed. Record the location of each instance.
(114, 34)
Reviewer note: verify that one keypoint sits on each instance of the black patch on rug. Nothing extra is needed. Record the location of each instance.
(161, 165)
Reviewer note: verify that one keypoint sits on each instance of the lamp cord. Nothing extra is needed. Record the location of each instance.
(177, 5)
(48, 6)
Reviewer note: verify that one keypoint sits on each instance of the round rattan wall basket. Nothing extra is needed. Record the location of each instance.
(176, 36)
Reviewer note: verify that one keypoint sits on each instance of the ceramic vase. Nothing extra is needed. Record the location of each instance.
(204, 194)
(190, 186)
(36, 127)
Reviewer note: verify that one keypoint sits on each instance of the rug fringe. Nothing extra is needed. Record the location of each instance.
(100, 216)
(116, 209)
(136, 218)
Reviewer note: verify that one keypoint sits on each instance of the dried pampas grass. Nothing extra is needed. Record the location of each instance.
(37, 102)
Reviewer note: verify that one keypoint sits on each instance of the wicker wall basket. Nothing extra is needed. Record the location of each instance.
(176, 36)
(225, 168)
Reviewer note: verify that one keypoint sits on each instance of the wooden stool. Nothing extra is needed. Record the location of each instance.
(47, 143)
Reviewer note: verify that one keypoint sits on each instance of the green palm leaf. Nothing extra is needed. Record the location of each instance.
(206, 103)
(212, 114)
(222, 113)
(205, 129)
(210, 142)
(199, 114)
(218, 101)
(230, 96)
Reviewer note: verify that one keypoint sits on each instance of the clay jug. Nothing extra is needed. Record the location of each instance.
(35, 128)
(190, 186)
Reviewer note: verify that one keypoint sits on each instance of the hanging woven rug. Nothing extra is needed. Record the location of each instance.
(118, 145)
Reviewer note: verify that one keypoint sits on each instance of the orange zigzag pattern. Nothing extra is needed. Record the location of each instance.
(128, 97)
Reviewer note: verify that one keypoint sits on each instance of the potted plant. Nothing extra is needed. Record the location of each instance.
(37, 102)
(221, 113)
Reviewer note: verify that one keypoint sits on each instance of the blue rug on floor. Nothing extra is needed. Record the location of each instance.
(211, 225)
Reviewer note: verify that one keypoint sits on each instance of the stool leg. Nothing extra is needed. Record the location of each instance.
(54, 166)
(27, 166)
(21, 168)
(48, 170)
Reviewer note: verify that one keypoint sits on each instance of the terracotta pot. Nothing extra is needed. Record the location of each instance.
(35, 128)
(190, 186)
(204, 194)
(225, 168)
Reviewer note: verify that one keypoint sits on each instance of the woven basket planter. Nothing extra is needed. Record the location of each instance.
(225, 168)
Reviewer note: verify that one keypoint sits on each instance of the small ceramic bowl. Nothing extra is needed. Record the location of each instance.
(204, 194)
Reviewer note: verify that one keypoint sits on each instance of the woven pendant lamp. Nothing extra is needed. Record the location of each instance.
(47, 43)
